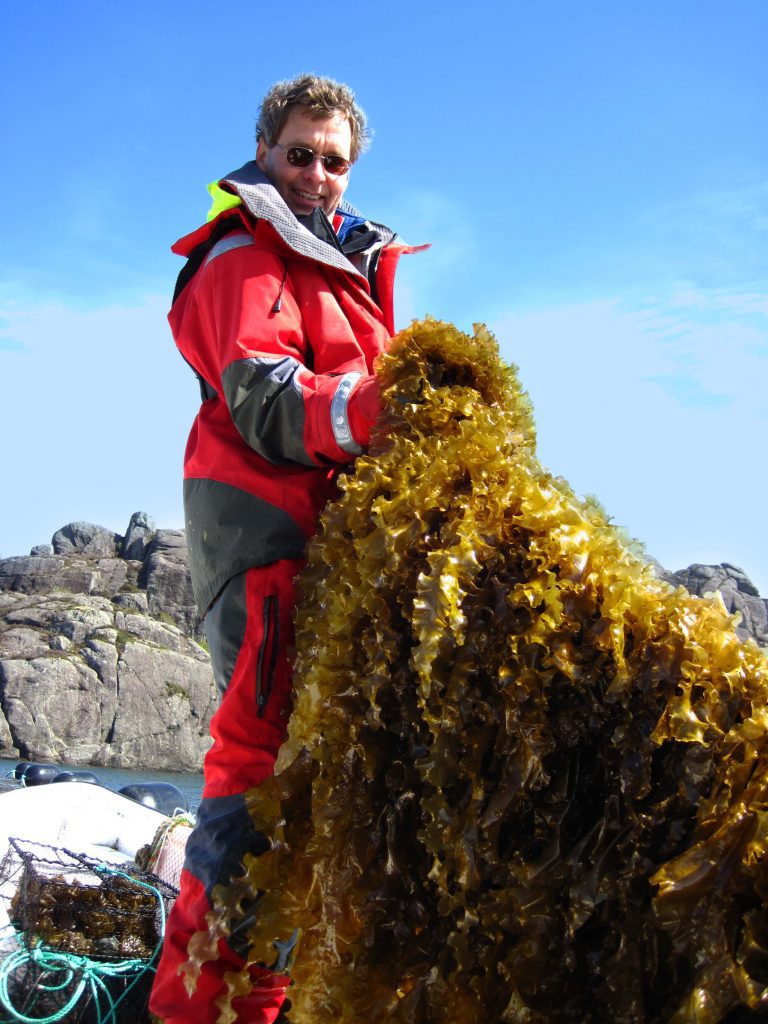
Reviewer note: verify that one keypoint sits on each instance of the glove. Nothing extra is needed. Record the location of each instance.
(363, 409)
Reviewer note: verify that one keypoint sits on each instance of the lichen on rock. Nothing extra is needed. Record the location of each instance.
(525, 779)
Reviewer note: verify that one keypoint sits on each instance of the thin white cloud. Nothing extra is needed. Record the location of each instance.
(746, 302)
(748, 204)
(659, 409)
(697, 342)
(708, 346)
(96, 408)
(714, 235)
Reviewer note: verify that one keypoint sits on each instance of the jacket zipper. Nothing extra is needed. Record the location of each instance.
(269, 642)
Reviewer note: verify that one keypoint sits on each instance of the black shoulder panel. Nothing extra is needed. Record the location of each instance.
(194, 261)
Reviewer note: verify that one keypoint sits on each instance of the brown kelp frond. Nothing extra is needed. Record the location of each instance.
(525, 779)
(434, 377)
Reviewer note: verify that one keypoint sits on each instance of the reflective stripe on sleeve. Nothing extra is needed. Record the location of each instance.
(234, 241)
(340, 414)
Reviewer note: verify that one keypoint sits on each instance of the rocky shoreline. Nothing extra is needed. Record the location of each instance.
(102, 659)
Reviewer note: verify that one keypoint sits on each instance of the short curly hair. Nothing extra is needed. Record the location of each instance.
(322, 97)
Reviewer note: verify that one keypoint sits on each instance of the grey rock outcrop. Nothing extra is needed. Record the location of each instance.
(86, 539)
(738, 592)
(75, 573)
(99, 659)
(167, 580)
(139, 535)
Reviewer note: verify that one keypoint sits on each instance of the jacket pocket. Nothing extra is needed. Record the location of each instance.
(268, 649)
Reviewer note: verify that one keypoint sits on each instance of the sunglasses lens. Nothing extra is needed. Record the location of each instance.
(298, 156)
(335, 164)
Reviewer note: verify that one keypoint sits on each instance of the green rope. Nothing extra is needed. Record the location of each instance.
(90, 974)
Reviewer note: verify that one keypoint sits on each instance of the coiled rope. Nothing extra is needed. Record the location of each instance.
(91, 975)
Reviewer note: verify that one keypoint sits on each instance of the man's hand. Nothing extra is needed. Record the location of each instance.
(364, 407)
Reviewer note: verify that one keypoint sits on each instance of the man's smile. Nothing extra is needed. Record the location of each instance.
(311, 196)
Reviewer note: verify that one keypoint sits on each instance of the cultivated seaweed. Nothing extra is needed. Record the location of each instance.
(525, 778)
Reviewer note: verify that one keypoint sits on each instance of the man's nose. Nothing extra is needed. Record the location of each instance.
(315, 171)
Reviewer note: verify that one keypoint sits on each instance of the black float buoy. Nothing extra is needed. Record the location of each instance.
(160, 796)
(39, 774)
(67, 776)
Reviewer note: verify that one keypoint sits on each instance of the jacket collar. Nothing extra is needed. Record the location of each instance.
(262, 200)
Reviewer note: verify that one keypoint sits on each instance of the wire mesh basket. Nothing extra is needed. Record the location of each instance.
(77, 905)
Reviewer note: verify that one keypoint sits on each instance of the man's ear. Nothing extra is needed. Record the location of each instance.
(261, 153)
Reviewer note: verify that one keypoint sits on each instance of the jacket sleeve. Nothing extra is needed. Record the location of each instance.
(259, 357)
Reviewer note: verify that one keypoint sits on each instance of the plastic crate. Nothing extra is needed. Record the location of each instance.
(77, 905)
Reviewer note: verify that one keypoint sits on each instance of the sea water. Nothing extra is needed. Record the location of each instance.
(189, 784)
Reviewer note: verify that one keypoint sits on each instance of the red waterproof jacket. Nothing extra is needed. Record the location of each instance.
(282, 327)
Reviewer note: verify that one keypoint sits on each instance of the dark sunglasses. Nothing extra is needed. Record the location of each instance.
(300, 156)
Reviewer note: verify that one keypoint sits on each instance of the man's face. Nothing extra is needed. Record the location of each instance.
(306, 188)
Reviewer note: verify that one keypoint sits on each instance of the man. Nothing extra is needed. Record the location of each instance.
(282, 308)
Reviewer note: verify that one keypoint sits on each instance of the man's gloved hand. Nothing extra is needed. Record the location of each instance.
(363, 409)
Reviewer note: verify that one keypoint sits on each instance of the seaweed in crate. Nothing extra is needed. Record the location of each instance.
(75, 905)
(88, 933)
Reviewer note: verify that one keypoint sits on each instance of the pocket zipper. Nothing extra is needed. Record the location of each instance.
(270, 637)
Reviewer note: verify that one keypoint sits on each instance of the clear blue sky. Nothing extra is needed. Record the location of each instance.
(593, 178)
